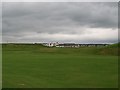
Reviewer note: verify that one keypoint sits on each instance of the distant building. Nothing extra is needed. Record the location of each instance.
(68, 45)
(80, 45)
(51, 44)
(56, 44)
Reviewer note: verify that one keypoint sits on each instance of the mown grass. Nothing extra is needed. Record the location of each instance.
(35, 66)
(0, 66)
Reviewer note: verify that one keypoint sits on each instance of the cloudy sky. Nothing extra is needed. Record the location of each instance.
(78, 22)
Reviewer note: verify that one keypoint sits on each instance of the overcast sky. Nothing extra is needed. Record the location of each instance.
(60, 22)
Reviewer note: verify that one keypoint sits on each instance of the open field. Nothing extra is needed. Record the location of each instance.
(0, 66)
(35, 66)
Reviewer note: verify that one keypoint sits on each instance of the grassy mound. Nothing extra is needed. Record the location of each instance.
(38, 48)
(110, 50)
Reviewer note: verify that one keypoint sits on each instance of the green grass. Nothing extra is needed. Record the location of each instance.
(34, 66)
(0, 66)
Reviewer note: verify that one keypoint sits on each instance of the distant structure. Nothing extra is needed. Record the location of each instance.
(80, 45)
(56, 44)
(51, 44)
(68, 45)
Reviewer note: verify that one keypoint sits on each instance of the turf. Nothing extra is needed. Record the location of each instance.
(0, 66)
(35, 66)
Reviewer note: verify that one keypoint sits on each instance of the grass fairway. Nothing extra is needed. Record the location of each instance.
(34, 66)
(0, 66)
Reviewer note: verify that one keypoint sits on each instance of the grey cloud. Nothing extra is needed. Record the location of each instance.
(56, 18)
